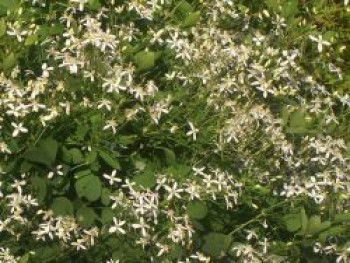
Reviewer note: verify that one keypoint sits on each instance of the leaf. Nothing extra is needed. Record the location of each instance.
(66, 156)
(81, 132)
(216, 244)
(297, 118)
(126, 140)
(89, 187)
(168, 156)
(39, 187)
(146, 179)
(31, 40)
(9, 61)
(105, 196)
(340, 218)
(91, 157)
(197, 210)
(191, 19)
(62, 206)
(303, 220)
(315, 226)
(107, 216)
(24, 258)
(144, 60)
(45, 153)
(49, 146)
(273, 4)
(2, 27)
(8, 5)
(46, 30)
(184, 8)
(82, 173)
(76, 156)
(331, 232)
(292, 222)
(109, 159)
(290, 8)
(86, 216)
(94, 5)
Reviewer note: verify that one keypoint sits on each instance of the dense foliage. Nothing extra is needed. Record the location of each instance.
(174, 131)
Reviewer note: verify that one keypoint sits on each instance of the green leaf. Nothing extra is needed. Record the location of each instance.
(191, 19)
(290, 8)
(31, 40)
(24, 258)
(303, 220)
(107, 216)
(91, 157)
(197, 209)
(105, 196)
(49, 146)
(273, 5)
(184, 8)
(45, 153)
(315, 226)
(144, 60)
(126, 140)
(168, 156)
(86, 216)
(331, 232)
(216, 244)
(89, 187)
(94, 4)
(109, 159)
(46, 30)
(146, 179)
(297, 118)
(76, 156)
(39, 187)
(2, 27)
(82, 173)
(8, 5)
(340, 218)
(62, 206)
(9, 61)
(292, 222)
(81, 132)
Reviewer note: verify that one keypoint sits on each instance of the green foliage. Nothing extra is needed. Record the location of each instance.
(86, 216)
(145, 60)
(88, 186)
(149, 114)
(197, 209)
(216, 244)
(44, 153)
(62, 206)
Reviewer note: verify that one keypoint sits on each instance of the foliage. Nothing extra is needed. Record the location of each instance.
(174, 131)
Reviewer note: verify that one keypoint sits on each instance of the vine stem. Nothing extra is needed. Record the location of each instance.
(262, 214)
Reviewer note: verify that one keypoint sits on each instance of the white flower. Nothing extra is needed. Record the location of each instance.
(320, 42)
(117, 227)
(142, 226)
(193, 131)
(200, 257)
(18, 129)
(173, 191)
(112, 178)
(111, 124)
(18, 34)
(79, 244)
